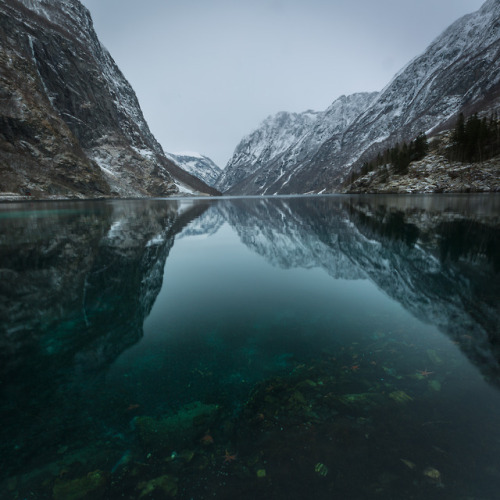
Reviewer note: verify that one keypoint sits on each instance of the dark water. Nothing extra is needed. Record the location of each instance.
(285, 348)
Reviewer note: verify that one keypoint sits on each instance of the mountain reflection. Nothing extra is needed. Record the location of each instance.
(78, 280)
(437, 256)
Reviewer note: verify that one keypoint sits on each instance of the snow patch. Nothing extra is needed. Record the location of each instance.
(190, 154)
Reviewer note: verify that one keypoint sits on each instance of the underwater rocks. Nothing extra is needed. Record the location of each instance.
(81, 488)
(166, 484)
(177, 430)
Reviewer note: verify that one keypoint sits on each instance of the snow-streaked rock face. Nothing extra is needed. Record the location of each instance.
(266, 160)
(459, 71)
(62, 94)
(198, 165)
(274, 136)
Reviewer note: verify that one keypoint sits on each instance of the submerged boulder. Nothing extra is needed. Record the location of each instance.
(81, 488)
(175, 430)
(166, 484)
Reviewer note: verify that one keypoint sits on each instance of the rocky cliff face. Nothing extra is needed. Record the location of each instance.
(275, 136)
(71, 123)
(460, 71)
(435, 173)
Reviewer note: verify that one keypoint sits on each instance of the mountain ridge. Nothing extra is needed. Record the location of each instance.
(459, 71)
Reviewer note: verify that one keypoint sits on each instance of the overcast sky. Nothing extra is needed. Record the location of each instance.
(208, 72)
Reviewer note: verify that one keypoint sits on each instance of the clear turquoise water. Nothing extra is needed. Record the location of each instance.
(311, 347)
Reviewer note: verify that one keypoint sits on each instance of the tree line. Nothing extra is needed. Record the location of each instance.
(399, 156)
(475, 139)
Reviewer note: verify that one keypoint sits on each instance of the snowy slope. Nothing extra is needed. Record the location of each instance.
(459, 71)
(198, 165)
(274, 136)
(281, 162)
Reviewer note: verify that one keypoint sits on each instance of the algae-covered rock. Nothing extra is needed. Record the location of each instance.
(82, 488)
(178, 429)
(359, 399)
(166, 484)
(400, 397)
(261, 473)
(297, 398)
(432, 474)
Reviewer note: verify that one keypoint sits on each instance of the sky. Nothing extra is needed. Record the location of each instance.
(208, 72)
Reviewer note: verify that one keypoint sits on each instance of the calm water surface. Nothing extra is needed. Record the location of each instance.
(284, 348)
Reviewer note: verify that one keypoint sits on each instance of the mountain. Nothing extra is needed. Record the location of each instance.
(70, 123)
(459, 72)
(197, 165)
(274, 137)
(265, 161)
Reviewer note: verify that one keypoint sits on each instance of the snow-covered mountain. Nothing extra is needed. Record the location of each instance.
(459, 71)
(72, 125)
(275, 136)
(266, 160)
(198, 165)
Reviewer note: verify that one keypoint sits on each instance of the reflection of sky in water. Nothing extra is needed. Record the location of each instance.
(222, 280)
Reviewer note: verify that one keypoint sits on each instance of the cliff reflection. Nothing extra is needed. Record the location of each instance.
(437, 256)
(76, 283)
(78, 280)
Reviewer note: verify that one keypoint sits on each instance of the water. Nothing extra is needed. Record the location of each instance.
(285, 348)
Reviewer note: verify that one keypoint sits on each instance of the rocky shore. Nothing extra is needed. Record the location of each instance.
(433, 174)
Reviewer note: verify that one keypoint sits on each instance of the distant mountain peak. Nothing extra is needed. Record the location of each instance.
(189, 154)
(266, 159)
(198, 165)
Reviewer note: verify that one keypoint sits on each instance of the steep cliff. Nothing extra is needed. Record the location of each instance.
(275, 136)
(71, 125)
